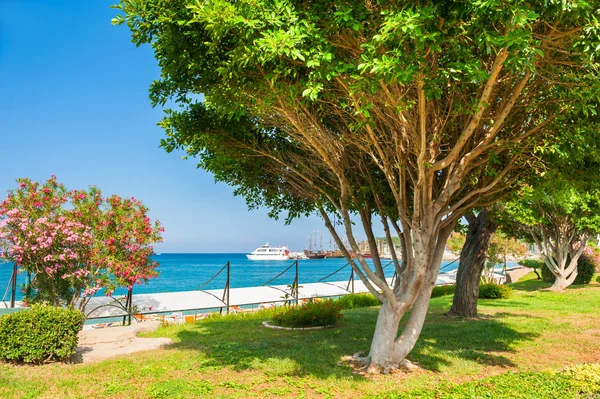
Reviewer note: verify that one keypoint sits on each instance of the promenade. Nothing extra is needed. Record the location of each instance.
(212, 299)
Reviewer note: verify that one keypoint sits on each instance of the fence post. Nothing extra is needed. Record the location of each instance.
(28, 285)
(227, 285)
(13, 294)
(352, 279)
(130, 309)
(297, 285)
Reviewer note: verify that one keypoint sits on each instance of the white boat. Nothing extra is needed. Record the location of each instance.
(266, 252)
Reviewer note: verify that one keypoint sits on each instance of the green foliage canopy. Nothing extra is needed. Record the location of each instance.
(351, 76)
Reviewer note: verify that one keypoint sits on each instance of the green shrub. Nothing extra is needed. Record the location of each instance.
(312, 314)
(587, 375)
(441, 290)
(494, 291)
(532, 263)
(585, 270)
(353, 301)
(547, 275)
(598, 279)
(40, 334)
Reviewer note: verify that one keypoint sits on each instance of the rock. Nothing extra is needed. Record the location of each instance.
(514, 275)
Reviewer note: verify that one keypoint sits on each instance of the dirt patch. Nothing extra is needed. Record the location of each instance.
(105, 343)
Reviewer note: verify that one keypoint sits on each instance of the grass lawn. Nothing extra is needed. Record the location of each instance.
(533, 332)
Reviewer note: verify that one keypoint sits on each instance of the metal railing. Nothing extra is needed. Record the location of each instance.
(225, 299)
(294, 287)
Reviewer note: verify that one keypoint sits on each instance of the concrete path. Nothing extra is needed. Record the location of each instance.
(105, 343)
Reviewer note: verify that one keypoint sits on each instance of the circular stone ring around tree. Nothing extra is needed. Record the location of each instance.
(266, 324)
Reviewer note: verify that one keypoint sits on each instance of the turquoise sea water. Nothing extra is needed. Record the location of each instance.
(185, 272)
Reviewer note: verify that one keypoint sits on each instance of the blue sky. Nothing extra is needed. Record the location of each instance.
(74, 103)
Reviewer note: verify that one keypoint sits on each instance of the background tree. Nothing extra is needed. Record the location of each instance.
(413, 112)
(559, 216)
(76, 243)
(500, 249)
(456, 241)
(472, 262)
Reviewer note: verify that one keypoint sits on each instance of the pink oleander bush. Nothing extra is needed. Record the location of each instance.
(76, 242)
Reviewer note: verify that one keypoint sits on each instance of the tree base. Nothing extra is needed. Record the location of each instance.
(362, 363)
(462, 316)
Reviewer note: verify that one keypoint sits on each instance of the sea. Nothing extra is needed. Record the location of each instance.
(193, 271)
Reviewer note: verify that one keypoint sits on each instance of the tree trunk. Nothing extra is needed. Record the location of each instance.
(561, 282)
(388, 351)
(472, 262)
(412, 331)
(386, 331)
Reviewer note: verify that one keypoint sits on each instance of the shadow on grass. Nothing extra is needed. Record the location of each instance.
(479, 340)
(529, 285)
(244, 344)
(495, 303)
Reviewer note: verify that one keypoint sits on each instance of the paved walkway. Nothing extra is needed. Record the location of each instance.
(211, 299)
(102, 344)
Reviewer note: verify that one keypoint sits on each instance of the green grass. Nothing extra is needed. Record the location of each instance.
(534, 332)
(524, 385)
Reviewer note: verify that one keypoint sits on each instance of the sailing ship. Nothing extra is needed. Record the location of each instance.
(314, 252)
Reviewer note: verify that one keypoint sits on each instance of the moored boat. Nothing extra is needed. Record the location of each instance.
(266, 252)
(314, 255)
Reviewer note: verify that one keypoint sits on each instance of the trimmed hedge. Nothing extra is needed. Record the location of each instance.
(312, 314)
(494, 291)
(40, 334)
(442, 290)
(582, 381)
(532, 263)
(353, 301)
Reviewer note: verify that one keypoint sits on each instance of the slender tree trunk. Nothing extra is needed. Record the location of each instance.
(412, 331)
(388, 351)
(472, 261)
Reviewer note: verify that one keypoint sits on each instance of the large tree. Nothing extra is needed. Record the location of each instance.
(414, 112)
